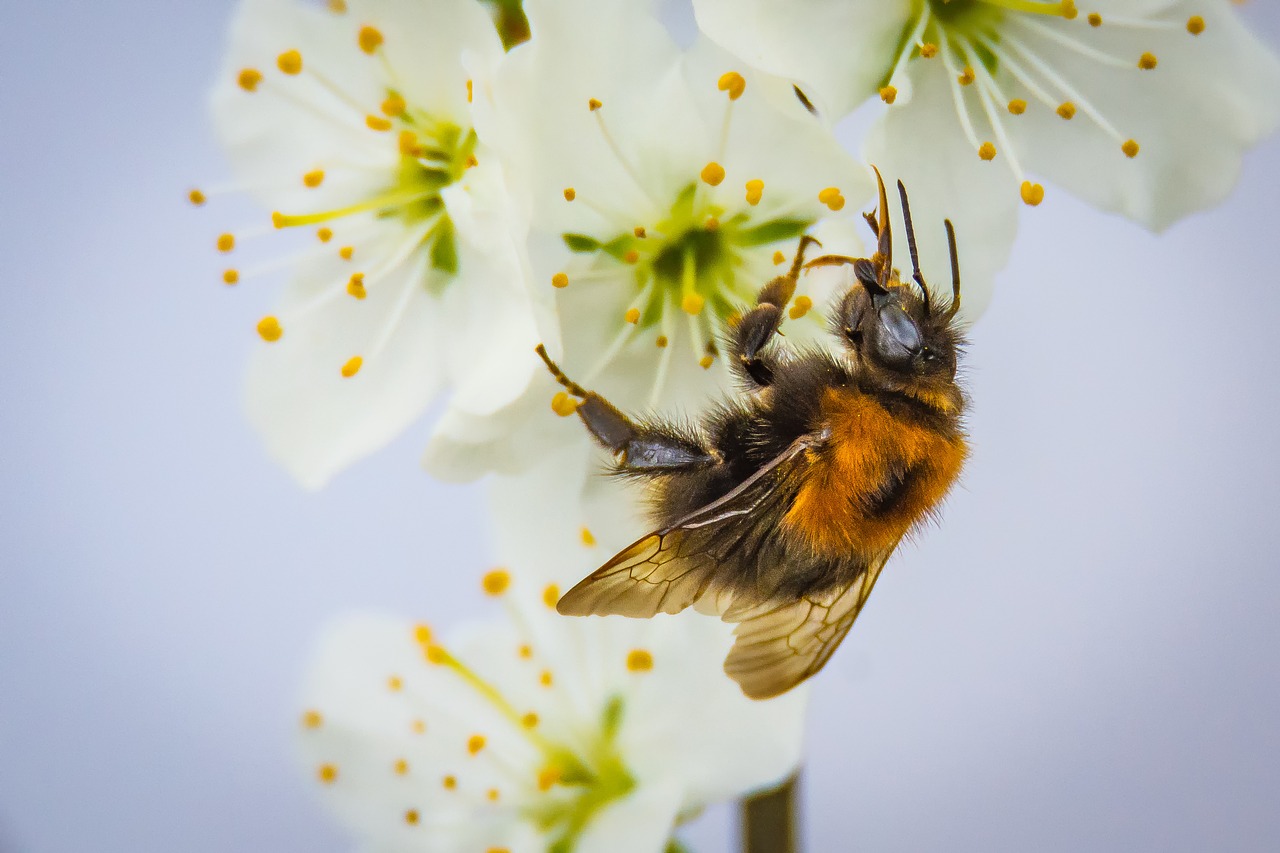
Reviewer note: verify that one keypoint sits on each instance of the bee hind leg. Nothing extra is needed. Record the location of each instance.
(638, 447)
(758, 326)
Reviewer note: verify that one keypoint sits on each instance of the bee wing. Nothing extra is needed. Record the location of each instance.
(670, 569)
(779, 645)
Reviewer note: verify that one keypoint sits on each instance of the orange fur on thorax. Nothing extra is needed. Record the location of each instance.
(867, 443)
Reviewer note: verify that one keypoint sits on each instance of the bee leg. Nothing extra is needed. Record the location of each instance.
(638, 447)
(758, 326)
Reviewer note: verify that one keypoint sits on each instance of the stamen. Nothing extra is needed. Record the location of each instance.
(987, 151)
(197, 198)
(248, 79)
(928, 50)
(888, 94)
(1130, 148)
(778, 258)
(290, 62)
(639, 660)
(593, 104)
(324, 234)
(712, 173)
(588, 538)
(470, 91)
(313, 179)
(1095, 20)
(393, 106)
(449, 783)
(312, 720)
(632, 316)
(395, 683)
(1053, 77)
(908, 46)
(1195, 25)
(639, 232)
(411, 817)
(475, 744)
(550, 595)
(393, 199)
(231, 276)
(832, 198)
(965, 77)
(346, 252)
(269, 329)
(352, 366)
(355, 285)
(563, 405)
(692, 303)
(988, 93)
(401, 767)
(1032, 194)
(570, 193)
(377, 123)
(1062, 8)
(1066, 110)
(957, 98)
(560, 280)
(1017, 106)
(755, 191)
(370, 39)
(328, 773)
(495, 583)
(1055, 34)
(733, 83)
(799, 307)
(226, 242)
(1147, 61)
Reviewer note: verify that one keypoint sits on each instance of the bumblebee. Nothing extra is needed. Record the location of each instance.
(780, 508)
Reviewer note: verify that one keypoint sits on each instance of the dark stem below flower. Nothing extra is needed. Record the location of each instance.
(769, 819)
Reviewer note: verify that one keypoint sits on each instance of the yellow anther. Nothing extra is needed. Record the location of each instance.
(563, 405)
(639, 232)
(711, 224)
(290, 62)
(1195, 25)
(325, 234)
(594, 105)
(588, 538)
(928, 50)
(269, 329)
(639, 660)
(705, 362)
(755, 191)
(778, 258)
(733, 83)
(471, 93)
(436, 654)
(1147, 61)
(889, 94)
(560, 280)
(546, 679)
(966, 76)
(661, 341)
(230, 276)
(408, 143)
(1017, 106)
(493, 795)
(411, 817)
(395, 683)
(475, 743)
(449, 782)
(248, 79)
(312, 720)
(1032, 194)
(355, 285)
(712, 173)
(987, 151)
(496, 582)
(472, 162)
(525, 651)
(832, 198)
(352, 366)
(692, 304)
(632, 316)
(327, 773)
(314, 178)
(1095, 20)
(1130, 148)
(632, 256)
(346, 252)
(570, 193)
(800, 307)
(370, 38)
(547, 777)
(393, 105)
(550, 595)
(422, 634)
(401, 767)
(418, 727)
(278, 219)
(1069, 10)
(196, 197)
(226, 242)
(377, 123)
(498, 850)
(1067, 110)
(338, 7)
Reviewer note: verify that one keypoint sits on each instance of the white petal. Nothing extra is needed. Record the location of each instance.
(641, 822)
(1224, 78)
(314, 420)
(839, 53)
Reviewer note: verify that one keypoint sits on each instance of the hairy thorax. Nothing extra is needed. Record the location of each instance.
(882, 471)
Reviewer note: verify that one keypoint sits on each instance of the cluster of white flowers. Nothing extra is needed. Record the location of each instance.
(442, 205)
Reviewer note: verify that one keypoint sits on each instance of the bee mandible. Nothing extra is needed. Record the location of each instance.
(779, 510)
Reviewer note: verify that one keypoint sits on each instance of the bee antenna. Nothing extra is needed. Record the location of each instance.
(572, 387)
(955, 269)
(885, 247)
(911, 244)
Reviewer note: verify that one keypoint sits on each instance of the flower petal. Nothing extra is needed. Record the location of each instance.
(641, 822)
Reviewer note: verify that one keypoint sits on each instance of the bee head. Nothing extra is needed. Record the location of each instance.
(892, 327)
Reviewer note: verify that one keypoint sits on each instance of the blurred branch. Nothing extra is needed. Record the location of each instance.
(769, 819)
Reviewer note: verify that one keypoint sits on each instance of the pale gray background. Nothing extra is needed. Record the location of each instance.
(1084, 657)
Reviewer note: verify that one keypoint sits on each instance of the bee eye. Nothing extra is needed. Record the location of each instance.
(902, 330)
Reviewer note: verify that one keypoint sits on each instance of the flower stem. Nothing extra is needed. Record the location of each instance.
(769, 819)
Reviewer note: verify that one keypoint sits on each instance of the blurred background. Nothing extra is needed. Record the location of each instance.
(1082, 657)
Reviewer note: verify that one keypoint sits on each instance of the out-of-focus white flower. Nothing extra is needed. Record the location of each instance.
(534, 732)
(353, 124)
(1142, 107)
(664, 188)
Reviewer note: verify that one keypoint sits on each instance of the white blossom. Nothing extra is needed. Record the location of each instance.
(1142, 107)
(353, 125)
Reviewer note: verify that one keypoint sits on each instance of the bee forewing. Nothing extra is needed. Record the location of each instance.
(648, 578)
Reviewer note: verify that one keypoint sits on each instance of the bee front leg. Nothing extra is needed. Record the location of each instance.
(758, 326)
(638, 447)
